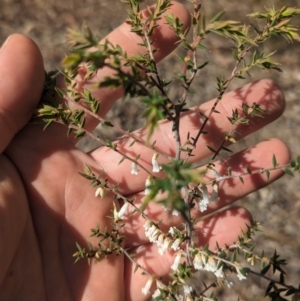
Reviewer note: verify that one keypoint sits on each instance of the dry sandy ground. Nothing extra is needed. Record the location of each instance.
(277, 207)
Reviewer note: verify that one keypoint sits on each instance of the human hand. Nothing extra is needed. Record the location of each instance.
(46, 206)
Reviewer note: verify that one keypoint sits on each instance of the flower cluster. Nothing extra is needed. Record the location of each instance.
(134, 169)
(147, 287)
(208, 263)
(163, 241)
(155, 166)
(100, 191)
(118, 215)
(148, 183)
(203, 196)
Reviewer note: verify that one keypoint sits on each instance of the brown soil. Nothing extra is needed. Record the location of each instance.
(277, 207)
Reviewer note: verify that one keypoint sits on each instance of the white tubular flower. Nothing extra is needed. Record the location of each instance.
(171, 231)
(187, 289)
(151, 231)
(134, 168)
(205, 192)
(252, 260)
(198, 262)
(219, 272)
(147, 184)
(163, 248)
(215, 193)
(211, 265)
(183, 192)
(175, 265)
(216, 174)
(123, 210)
(175, 212)
(240, 275)
(160, 285)
(146, 288)
(205, 199)
(100, 192)
(161, 239)
(155, 234)
(147, 225)
(155, 166)
(203, 205)
(156, 294)
(116, 218)
(175, 245)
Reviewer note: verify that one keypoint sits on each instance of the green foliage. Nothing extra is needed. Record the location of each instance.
(181, 190)
(278, 23)
(154, 110)
(177, 177)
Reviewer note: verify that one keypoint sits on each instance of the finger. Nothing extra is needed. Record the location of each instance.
(13, 213)
(224, 228)
(257, 159)
(22, 78)
(265, 93)
(20, 270)
(164, 40)
(64, 209)
(230, 190)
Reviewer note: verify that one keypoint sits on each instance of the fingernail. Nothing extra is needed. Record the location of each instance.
(5, 42)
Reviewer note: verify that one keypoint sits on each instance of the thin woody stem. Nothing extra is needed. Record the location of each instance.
(125, 133)
(220, 96)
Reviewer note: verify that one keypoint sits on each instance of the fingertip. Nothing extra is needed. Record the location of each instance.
(275, 147)
(260, 159)
(273, 99)
(22, 78)
(163, 41)
(164, 35)
(22, 60)
(262, 156)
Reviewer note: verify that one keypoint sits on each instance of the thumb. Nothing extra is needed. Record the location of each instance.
(21, 84)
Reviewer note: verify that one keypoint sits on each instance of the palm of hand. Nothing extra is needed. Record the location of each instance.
(59, 208)
(63, 209)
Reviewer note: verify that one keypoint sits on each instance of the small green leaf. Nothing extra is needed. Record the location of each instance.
(289, 172)
(217, 17)
(274, 161)
(48, 123)
(227, 149)
(202, 66)
(211, 149)
(111, 145)
(233, 257)
(132, 143)
(229, 171)
(79, 133)
(107, 123)
(123, 158)
(78, 247)
(136, 268)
